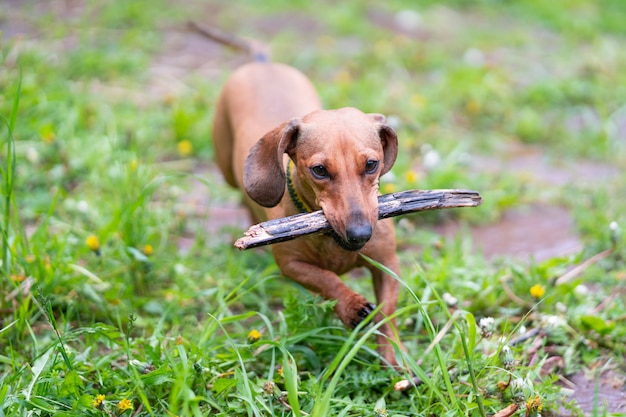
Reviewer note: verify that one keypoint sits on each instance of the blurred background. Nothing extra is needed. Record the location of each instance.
(114, 206)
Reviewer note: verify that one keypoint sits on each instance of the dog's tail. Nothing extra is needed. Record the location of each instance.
(255, 49)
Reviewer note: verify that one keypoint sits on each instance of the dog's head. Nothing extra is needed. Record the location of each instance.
(339, 157)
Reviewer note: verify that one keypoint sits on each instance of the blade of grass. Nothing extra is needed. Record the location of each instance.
(38, 367)
(341, 355)
(343, 358)
(470, 367)
(9, 177)
(49, 313)
(290, 375)
(467, 350)
(429, 326)
(249, 397)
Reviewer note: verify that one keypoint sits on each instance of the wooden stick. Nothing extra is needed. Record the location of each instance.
(389, 205)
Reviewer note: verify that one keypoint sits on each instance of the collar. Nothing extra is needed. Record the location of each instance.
(293, 193)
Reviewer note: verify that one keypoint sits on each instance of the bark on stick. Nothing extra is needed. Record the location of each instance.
(389, 205)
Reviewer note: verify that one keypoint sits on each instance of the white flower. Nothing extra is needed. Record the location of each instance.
(474, 57)
(431, 160)
(614, 232)
(486, 322)
(507, 358)
(518, 384)
(518, 388)
(408, 20)
(485, 326)
(180, 269)
(176, 191)
(32, 155)
(581, 290)
(390, 176)
(449, 299)
(82, 206)
(393, 122)
(552, 322)
(69, 203)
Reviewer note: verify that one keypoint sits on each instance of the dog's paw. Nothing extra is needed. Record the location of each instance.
(362, 314)
(354, 310)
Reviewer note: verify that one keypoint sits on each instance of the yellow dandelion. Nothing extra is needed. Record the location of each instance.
(124, 404)
(179, 340)
(47, 135)
(418, 100)
(18, 277)
(253, 335)
(534, 404)
(472, 107)
(133, 165)
(383, 47)
(380, 412)
(97, 402)
(537, 291)
(343, 77)
(184, 147)
(147, 250)
(93, 243)
(411, 177)
(388, 188)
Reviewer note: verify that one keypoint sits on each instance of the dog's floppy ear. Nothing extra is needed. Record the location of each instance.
(264, 173)
(389, 140)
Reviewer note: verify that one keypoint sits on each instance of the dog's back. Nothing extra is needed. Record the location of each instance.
(258, 97)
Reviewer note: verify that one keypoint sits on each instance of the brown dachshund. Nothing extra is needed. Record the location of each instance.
(273, 140)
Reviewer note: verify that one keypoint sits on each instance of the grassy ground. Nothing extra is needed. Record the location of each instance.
(105, 131)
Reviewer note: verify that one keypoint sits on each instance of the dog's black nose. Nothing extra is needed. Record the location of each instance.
(359, 234)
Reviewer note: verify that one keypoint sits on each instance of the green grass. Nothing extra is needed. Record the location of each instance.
(91, 149)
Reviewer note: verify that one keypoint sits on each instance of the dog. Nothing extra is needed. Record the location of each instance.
(273, 139)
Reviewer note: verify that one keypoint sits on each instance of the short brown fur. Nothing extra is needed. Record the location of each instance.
(269, 113)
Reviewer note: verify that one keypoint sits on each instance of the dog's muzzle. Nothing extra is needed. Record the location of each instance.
(358, 233)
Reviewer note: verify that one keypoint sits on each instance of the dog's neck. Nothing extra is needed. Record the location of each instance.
(296, 199)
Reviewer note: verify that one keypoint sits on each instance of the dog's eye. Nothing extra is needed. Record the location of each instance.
(319, 172)
(371, 166)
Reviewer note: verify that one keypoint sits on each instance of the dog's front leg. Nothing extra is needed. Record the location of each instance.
(352, 308)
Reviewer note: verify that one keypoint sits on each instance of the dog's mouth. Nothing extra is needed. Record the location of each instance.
(352, 247)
